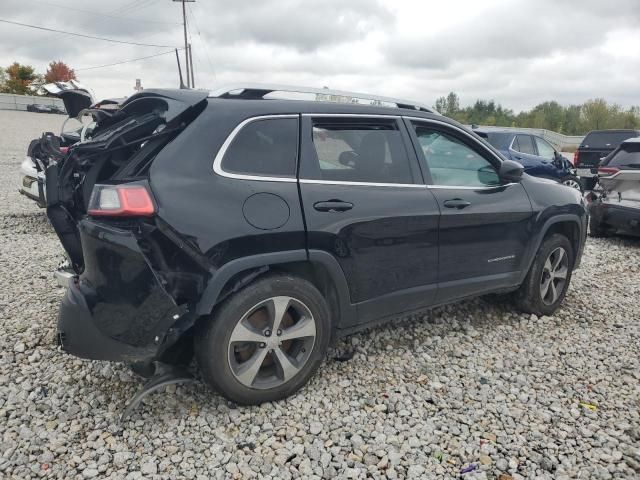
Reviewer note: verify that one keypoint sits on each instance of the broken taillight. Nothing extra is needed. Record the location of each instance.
(127, 200)
(606, 171)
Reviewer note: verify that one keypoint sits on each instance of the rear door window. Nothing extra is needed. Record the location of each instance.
(524, 144)
(358, 150)
(264, 147)
(627, 157)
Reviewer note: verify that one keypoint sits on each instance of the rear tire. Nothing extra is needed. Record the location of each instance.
(265, 341)
(546, 284)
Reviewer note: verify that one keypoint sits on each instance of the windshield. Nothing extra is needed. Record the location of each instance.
(607, 139)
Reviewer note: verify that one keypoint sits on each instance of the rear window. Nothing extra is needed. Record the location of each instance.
(267, 147)
(501, 141)
(627, 157)
(524, 144)
(606, 139)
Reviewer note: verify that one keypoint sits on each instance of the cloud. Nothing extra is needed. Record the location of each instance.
(302, 25)
(512, 30)
(517, 52)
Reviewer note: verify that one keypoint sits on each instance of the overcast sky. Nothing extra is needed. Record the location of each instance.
(518, 52)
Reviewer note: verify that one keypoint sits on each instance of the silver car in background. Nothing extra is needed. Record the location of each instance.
(615, 204)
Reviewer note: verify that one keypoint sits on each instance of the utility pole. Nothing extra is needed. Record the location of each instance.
(190, 82)
(193, 75)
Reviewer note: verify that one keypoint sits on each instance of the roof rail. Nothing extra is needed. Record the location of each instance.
(260, 91)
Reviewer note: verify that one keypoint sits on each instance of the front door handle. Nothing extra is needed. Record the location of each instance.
(333, 206)
(457, 203)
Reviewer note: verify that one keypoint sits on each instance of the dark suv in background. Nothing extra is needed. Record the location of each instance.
(257, 229)
(538, 156)
(596, 145)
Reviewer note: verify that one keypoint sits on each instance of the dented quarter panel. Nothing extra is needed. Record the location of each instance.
(124, 296)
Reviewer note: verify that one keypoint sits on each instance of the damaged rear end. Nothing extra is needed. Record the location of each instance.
(132, 277)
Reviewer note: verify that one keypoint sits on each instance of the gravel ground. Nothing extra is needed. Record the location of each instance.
(471, 384)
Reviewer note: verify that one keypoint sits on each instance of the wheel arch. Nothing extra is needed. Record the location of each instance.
(317, 267)
(568, 225)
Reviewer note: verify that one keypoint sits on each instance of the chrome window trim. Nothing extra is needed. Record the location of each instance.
(360, 184)
(466, 187)
(217, 162)
(354, 115)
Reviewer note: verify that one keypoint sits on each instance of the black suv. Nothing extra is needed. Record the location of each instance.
(256, 229)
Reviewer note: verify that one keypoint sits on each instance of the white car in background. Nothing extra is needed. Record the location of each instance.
(52, 148)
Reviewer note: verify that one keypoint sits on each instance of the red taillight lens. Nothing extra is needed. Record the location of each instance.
(64, 150)
(605, 171)
(121, 201)
(576, 158)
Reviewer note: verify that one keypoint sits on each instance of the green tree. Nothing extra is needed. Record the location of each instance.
(572, 120)
(449, 105)
(595, 114)
(19, 78)
(549, 115)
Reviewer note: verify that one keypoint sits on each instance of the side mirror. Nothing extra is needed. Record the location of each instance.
(558, 159)
(511, 171)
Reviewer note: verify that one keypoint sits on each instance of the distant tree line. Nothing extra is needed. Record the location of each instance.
(571, 120)
(23, 79)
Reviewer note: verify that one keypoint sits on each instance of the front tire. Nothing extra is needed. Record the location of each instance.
(265, 341)
(546, 284)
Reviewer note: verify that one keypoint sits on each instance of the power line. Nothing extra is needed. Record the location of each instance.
(135, 5)
(124, 61)
(85, 36)
(203, 43)
(116, 17)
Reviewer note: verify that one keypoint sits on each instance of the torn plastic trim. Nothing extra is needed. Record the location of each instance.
(165, 375)
(176, 102)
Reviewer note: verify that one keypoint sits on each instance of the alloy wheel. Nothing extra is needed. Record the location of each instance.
(272, 342)
(572, 183)
(554, 276)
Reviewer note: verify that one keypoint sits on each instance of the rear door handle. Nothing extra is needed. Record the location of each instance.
(457, 203)
(333, 206)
